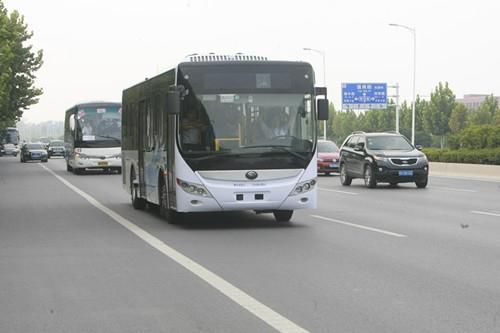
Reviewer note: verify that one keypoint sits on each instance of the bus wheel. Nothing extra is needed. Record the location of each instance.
(283, 215)
(137, 202)
(163, 196)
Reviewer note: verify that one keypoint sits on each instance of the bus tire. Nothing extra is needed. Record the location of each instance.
(174, 217)
(283, 215)
(137, 202)
(163, 199)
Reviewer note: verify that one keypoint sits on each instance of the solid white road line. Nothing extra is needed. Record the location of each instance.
(484, 213)
(252, 305)
(343, 192)
(452, 189)
(360, 226)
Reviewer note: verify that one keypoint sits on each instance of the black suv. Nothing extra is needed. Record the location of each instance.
(382, 157)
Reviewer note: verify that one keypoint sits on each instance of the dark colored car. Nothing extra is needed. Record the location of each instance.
(382, 157)
(33, 152)
(55, 148)
(328, 157)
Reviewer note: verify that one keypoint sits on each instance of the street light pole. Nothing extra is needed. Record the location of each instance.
(324, 78)
(396, 87)
(414, 34)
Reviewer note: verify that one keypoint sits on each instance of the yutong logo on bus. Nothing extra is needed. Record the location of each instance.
(251, 175)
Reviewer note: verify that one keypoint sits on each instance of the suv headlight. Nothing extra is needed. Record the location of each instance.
(303, 187)
(195, 189)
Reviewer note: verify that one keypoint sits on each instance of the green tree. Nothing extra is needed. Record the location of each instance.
(458, 118)
(332, 113)
(437, 114)
(486, 113)
(378, 120)
(18, 63)
(345, 122)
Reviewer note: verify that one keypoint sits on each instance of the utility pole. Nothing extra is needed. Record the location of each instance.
(396, 96)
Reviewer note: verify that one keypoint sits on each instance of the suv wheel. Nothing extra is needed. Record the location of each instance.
(370, 181)
(422, 184)
(344, 178)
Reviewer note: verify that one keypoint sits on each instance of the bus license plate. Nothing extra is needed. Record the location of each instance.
(102, 163)
(406, 172)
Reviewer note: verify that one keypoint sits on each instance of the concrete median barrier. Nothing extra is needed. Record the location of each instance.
(463, 170)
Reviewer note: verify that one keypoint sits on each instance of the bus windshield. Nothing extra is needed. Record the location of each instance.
(247, 113)
(99, 124)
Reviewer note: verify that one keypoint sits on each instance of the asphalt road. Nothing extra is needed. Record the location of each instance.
(367, 260)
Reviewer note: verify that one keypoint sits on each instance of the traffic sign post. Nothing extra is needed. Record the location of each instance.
(364, 96)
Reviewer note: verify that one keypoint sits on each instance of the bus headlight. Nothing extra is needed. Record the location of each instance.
(303, 187)
(81, 156)
(195, 189)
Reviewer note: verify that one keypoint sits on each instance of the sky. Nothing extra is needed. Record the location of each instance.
(93, 49)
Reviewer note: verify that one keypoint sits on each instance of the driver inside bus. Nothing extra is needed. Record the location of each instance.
(276, 122)
(87, 129)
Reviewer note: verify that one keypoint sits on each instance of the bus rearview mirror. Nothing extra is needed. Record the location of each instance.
(173, 102)
(322, 109)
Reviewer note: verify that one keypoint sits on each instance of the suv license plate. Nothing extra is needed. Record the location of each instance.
(406, 172)
(102, 163)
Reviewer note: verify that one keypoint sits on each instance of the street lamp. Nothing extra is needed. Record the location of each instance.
(414, 33)
(324, 78)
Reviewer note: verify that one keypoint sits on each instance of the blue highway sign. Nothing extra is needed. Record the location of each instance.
(364, 95)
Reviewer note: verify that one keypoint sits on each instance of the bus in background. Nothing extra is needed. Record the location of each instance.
(9, 139)
(92, 137)
(223, 133)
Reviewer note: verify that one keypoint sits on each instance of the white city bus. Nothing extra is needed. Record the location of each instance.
(222, 133)
(9, 141)
(92, 137)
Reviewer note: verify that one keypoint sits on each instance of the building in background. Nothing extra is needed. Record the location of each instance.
(473, 101)
(48, 129)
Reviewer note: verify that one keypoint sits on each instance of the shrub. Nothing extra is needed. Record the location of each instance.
(475, 156)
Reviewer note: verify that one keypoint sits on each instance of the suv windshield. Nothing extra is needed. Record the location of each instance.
(389, 142)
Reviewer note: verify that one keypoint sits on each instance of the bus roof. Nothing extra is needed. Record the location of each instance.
(94, 104)
(224, 62)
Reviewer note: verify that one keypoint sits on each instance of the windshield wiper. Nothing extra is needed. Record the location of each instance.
(211, 155)
(109, 137)
(283, 148)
